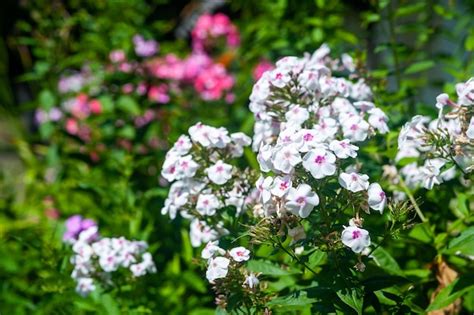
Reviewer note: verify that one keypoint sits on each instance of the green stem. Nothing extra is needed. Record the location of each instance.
(412, 200)
(292, 255)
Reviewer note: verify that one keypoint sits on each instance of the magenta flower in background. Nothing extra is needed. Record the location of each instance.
(263, 66)
(213, 83)
(209, 28)
(144, 48)
(75, 225)
(117, 56)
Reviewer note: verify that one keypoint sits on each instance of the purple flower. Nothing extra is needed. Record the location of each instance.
(75, 225)
(144, 48)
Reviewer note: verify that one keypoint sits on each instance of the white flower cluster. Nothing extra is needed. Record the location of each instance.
(219, 261)
(96, 260)
(454, 135)
(203, 180)
(306, 123)
(303, 92)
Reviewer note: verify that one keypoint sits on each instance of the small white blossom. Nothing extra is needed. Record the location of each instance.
(343, 149)
(85, 286)
(264, 186)
(239, 254)
(320, 163)
(355, 238)
(219, 173)
(217, 268)
(286, 158)
(377, 198)
(302, 200)
(281, 186)
(251, 281)
(207, 204)
(470, 129)
(354, 182)
(211, 249)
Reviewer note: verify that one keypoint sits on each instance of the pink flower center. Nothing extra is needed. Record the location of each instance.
(300, 200)
(354, 177)
(356, 234)
(319, 159)
(382, 195)
(279, 76)
(308, 137)
(283, 185)
(354, 127)
(220, 169)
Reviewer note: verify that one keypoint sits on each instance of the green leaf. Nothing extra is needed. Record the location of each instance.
(464, 243)
(383, 299)
(317, 258)
(353, 298)
(267, 268)
(422, 232)
(127, 132)
(47, 99)
(452, 292)
(129, 105)
(110, 305)
(296, 300)
(385, 261)
(419, 66)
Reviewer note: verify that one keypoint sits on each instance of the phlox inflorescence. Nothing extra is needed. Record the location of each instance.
(312, 114)
(205, 180)
(309, 122)
(95, 258)
(442, 147)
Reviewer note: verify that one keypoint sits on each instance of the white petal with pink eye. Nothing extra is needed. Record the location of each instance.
(290, 136)
(378, 120)
(364, 106)
(465, 92)
(170, 167)
(240, 254)
(326, 128)
(219, 173)
(285, 158)
(279, 77)
(356, 238)
(320, 163)
(186, 167)
(377, 198)
(207, 204)
(355, 128)
(310, 139)
(264, 185)
(354, 182)
(302, 200)
(470, 129)
(264, 158)
(281, 186)
(297, 115)
(211, 249)
(182, 145)
(343, 149)
(217, 268)
(200, 134)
